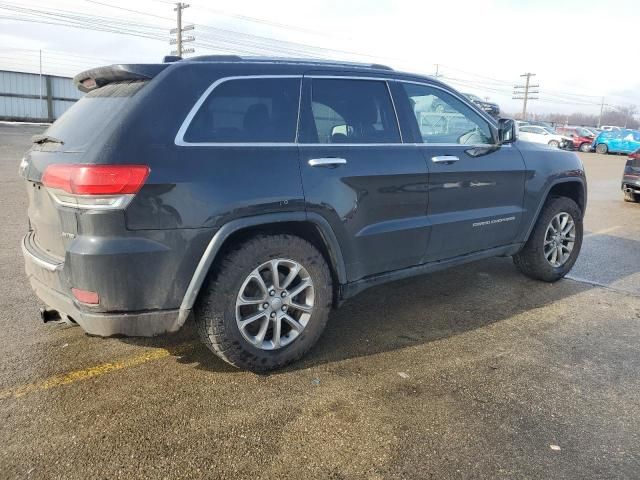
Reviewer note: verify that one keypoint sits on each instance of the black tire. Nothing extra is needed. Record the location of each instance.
(531, 259)
(554, 143)
(602, 148)
(215, 311)
(585, 147)
(631, 197)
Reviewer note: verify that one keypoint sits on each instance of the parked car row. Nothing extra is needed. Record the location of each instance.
(608, 139)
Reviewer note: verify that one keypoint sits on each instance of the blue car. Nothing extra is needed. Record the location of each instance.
(617, 141)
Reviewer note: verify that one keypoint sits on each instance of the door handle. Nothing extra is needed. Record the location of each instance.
(326, 162)
(444, 159)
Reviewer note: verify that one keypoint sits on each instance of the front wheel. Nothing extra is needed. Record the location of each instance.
(554, 143)
(266, 304)
(585, 147)
(602, 148)
(554, 244)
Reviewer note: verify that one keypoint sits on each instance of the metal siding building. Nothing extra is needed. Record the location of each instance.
(30, 97)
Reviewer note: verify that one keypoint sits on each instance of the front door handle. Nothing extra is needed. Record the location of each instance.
(444, 159)
(326, 162)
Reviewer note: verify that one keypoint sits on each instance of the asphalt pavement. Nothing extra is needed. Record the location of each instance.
(474, 372)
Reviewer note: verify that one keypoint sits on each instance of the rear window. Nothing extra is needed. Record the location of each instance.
(80, 125)
(248, 110)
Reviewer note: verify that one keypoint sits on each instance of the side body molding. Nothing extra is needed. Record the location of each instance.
(228, 229)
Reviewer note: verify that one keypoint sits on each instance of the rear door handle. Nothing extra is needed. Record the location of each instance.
(326, 162)
(444, 159)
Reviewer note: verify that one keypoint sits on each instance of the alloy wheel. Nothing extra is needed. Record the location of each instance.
(559, 239)
(275, 303)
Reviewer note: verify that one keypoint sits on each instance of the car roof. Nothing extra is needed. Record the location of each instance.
(115, 72)
(325, 65)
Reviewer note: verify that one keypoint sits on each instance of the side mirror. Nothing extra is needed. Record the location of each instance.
(506, 131)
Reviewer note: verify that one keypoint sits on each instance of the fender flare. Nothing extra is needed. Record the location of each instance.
(233, 226)
(557, 181)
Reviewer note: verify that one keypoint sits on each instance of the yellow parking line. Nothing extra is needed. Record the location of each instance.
(95, 371)
(603, 232)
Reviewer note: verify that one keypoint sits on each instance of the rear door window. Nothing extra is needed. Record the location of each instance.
(248, 110)
(350, 111)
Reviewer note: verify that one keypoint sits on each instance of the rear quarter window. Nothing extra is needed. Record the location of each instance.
(248, 110)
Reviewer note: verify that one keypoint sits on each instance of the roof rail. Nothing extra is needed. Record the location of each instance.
(308, 61)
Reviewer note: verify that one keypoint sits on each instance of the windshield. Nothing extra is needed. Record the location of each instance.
(583, 132)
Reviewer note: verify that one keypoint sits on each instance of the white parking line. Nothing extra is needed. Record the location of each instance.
(603, 231)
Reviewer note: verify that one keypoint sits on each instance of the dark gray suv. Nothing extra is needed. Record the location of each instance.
(255, 194)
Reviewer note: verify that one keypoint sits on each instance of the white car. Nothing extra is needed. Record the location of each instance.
(609, 128)
(536, 134)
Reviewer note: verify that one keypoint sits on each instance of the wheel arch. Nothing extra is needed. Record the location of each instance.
(309, 226)
(573, 188)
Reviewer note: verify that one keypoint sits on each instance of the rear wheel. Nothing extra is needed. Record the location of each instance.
(266, 304)
(553, 143)
(602, 148)
(555, 242)
(585, 147)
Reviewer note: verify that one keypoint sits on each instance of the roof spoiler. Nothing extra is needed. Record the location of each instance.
(101, 76)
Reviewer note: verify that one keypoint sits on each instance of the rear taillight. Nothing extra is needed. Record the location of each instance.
(635, 155)
(94, 186)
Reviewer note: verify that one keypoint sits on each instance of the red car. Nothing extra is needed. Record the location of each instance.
(581, 137)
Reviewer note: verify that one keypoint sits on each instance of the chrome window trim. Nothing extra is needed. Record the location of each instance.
(179, 139)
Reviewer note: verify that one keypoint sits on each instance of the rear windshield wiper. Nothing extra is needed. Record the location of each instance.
(46, 139)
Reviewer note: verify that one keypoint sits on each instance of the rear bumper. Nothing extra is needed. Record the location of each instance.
(631, 181)
(45, 277)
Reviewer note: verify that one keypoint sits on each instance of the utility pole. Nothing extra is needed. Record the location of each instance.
(524, 92)
(180, 40)
(601, 110)
(437, 69)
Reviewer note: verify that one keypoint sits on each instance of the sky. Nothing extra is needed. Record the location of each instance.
(580, 51)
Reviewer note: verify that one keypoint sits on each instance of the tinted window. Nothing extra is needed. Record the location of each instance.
(248, 111)
(442, 118)
(350, 111)
(88, 117)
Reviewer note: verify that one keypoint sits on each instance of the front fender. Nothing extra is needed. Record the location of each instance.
(547, 169)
